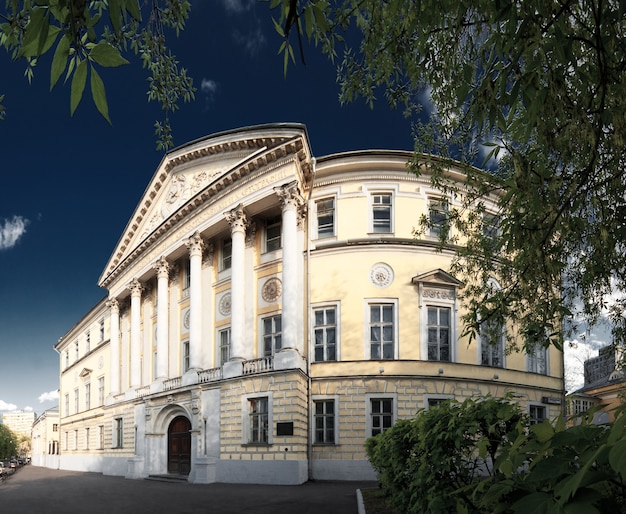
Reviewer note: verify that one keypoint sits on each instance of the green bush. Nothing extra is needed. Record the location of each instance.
(426, 464)
(483, 456)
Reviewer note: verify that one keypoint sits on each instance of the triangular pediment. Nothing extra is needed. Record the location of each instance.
(437, 277)
(85, 373)
(215, 163)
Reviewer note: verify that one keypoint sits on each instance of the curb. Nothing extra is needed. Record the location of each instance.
(359, 502)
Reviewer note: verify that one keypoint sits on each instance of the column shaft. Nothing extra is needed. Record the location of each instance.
(135, 333)
(114, 347)
(195, 246)
(162, 267)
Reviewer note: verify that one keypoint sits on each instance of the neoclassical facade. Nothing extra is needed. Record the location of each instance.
(266, 312)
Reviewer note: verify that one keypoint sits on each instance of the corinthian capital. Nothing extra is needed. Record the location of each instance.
(237, 218)
(195, 244)
(289, 195)
(162, 267)
(113, 305)
(135, 287)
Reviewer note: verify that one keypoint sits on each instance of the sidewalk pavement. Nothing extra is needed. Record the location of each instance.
(38, 490)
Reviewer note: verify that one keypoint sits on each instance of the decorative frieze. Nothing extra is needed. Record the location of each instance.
(439, 294)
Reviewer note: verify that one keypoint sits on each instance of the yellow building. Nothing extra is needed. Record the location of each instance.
(45, 439)
(267, 312)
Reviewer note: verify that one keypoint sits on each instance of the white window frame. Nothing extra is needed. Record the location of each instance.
(101, 391)
(245, 418)
(436, 397)
(118, 432)
(269, 223)
(185, 282)
(374, 192)
(445, 302)
(434, 231)
(532, 359)
(368, 410)
(532, 405)
(499, 345)
(185, 354)
(88, 396)
(261, 333)
(76, 400)
(325, 306)
(333, 233)
(325, 398)
(367, 355)
(219, 356)
(224, 258)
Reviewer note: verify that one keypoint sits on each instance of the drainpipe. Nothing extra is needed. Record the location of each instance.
(309, 322)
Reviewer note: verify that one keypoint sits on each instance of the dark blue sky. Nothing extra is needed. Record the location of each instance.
(77, 180)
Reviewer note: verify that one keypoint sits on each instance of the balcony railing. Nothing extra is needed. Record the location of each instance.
(172, 383)
(209, 375)
(258, 365)
(142, 391)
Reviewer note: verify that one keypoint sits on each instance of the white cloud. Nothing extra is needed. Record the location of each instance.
(28, 408)
(208, 86)
(238, 6)
(252, 42)
(50, 396)
(11, 230)
(7, 406)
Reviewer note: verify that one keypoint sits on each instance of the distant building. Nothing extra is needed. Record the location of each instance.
(19, 421)
(604, 385)
(45, 439)
(268, 311)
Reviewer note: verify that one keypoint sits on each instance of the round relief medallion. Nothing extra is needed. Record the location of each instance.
(381, 275)
(272, 290)
(225, 304)
(186, 319)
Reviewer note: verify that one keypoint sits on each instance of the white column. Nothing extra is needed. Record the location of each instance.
(195, 246)
(163, 269)
(291, 200)
(238, 222)
(135, 333)
(114, 347)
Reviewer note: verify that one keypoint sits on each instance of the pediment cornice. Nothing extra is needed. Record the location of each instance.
(437, 277)
(248, 157)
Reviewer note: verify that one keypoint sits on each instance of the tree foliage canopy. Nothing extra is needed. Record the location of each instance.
(8, 442)
(83, 36)
(542, 84)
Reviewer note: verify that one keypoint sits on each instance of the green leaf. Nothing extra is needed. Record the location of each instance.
(132, 6)
(78, 85)
(115, 15)
(617, 458)
(99, 94)
(37, 25)
(106, 55)
(537, 503)
(59, 61)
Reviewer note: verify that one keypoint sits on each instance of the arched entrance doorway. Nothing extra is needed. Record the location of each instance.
(179, 446)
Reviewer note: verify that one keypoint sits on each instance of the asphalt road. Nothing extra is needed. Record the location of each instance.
(37, 490)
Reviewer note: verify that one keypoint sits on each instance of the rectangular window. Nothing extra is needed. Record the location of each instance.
(118, 433)
(67, 358)
(381, 413)
(87, 342)
(381, 331)
(438, 218)
(154, 364)
(186, 276)
(185, 356)
(258, 420)
(87, 396)
(325, 217)
(325, 332)
(101, 330)
(273, 230)
(75, 439)
(101, 437)
(492, 344)
(76, 404)
(67, 440)
(579, 406)
(227, 254)
(490, 226)
(537, 414)
(432, 402)
(67, 404)
(101, 391)
(76, 351)
(438, 326)
(55, 427)
(381, 213)
(272, 335)
(325, 422)
(87, 439)
(537, 360)
(224, 339)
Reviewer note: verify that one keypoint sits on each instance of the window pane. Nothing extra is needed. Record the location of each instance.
(387, 313)
(374, 314)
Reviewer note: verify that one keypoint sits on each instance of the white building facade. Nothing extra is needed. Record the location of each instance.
(266, 313)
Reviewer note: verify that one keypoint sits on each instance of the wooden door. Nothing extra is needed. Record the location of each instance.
(179, 446)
